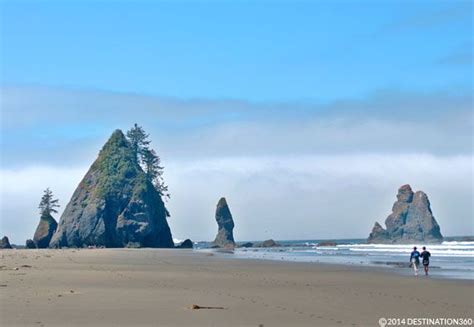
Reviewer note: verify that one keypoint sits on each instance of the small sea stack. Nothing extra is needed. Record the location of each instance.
(225, 224)
(45, 231)
(268, 244)
(30, 244)
(186, 244)
(5, 243)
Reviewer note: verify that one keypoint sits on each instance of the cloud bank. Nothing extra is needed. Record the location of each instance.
(288, 170)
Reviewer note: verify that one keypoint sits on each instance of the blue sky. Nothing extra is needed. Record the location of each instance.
(306, 115)
(259, 51)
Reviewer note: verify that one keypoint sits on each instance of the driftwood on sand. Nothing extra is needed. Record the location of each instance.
(197, 307)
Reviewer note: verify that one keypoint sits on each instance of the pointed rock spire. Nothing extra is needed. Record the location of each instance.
(225, 224)
(114, 205)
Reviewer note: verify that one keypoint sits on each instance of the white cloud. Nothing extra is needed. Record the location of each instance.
(58, 126)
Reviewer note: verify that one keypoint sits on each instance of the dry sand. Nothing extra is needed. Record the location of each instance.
(148, 287)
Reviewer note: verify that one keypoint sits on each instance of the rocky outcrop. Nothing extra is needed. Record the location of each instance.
(225, 224)
(186, 244)
(115, 205)
(45, 231)
(30, 244)
(268, 244)
(378, 234)
(246, 245)
(133, 245)
(411, 221)
(5, 243)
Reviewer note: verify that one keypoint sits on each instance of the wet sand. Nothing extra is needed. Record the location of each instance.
(149, 287)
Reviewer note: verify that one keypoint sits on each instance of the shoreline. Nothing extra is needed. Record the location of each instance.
(458, 267)
(380, 268)
(150, 287)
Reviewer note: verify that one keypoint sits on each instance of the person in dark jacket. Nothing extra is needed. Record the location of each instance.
(425, 256)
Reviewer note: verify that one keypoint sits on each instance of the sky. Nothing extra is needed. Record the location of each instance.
(306, 115)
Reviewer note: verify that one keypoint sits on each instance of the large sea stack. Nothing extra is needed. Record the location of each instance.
(115, 205)
(225, 224)
(411, 221)
(45, 231)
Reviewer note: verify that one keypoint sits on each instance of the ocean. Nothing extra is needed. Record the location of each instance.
(453, 259)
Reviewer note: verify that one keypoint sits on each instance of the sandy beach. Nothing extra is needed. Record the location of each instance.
(150, 287)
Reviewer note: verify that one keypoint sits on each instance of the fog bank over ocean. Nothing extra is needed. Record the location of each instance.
(294, 170)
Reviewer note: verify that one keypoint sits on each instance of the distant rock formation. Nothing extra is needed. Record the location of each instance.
(5, 243)
(268, 244)
(246, 245)
(187, 244)
(45, 231)
(225, 223)
(115, 205)
(30, 244)
(133, 245)
(411, 221)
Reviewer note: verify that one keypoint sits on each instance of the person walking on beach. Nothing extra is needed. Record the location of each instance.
(425, 255)
(415, 260)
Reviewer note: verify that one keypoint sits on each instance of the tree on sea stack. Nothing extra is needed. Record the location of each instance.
(138, 140)
(48, 203)
(148, 159)
(154, 171)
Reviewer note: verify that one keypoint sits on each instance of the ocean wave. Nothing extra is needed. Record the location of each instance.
(322, 248)
(456, 243)
(409, 247)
